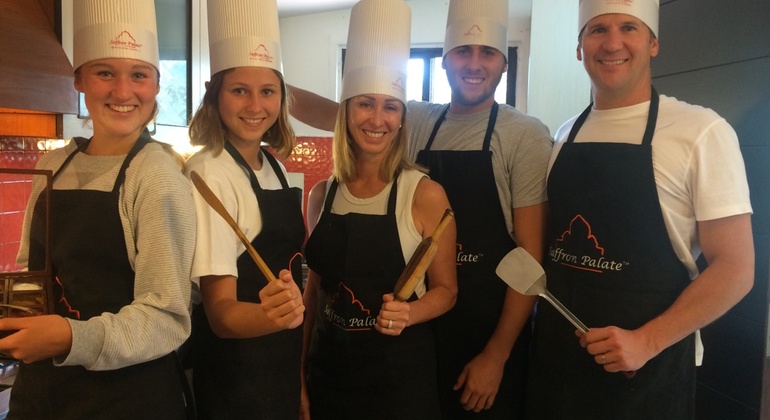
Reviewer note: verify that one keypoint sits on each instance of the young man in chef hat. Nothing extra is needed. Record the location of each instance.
(491, 160)
(654, 181)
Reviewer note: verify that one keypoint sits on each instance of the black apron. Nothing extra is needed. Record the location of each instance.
(612, 263)
(256, 378)
(92, 275)
(356, 372)
(482, 241)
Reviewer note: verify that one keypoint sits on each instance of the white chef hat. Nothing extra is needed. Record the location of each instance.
(244, 33)
(645, 10)
(378, 49)
(477, 22)
(114, 29)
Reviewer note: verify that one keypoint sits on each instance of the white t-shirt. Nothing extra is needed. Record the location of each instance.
(217, 246)
(697, 162)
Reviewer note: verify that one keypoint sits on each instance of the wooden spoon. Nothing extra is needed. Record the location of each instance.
(420, 260)
(218, 207)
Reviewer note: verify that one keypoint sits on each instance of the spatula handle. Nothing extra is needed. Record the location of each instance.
(564, 311)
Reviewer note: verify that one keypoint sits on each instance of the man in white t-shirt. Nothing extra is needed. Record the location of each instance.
(639, 186)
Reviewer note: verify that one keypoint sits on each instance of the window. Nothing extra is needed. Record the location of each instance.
(174, 39)
(426, 80)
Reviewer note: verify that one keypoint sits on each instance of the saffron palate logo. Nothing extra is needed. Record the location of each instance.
(466, 257)
(474, 31)
(579, 248)
(398, 84)
(125, 41)
(345, 311)
(261, 53)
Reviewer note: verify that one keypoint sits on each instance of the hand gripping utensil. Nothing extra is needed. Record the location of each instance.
(420, 260)
(521, 272)
(218, 207)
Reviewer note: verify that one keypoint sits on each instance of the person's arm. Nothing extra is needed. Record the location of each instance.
(159, 224)
(480, 379)
(430, 203)
(313, 110)
(728, 246)
(280, 307)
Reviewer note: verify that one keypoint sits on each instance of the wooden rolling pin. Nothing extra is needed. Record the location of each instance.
(218, 207)
(420, 260)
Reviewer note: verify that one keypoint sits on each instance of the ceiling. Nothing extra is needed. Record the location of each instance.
(288, 8)
(305, 7)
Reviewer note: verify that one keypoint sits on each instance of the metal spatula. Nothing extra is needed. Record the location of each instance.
(523, 273)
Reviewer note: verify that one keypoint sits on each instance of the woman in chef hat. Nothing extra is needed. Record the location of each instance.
(247, 344)
(371, 356)
(123, 230)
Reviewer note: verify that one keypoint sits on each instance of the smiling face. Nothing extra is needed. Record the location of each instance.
(616, 50)
(119, 94)
(373, 123)
(249, 104)
(473, 72)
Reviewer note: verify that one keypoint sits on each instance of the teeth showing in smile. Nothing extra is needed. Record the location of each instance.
(613, 62)
(373, 134)
(253, 120)
(473, 80)
(122, 108)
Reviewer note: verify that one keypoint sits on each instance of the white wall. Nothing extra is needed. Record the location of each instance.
(558, 85)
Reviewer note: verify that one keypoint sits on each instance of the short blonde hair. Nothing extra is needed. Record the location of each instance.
(208, 130)
(345, 159)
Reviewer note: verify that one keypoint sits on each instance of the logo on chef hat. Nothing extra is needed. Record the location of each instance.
(474, 31)
(125, 41)
(261, 53)
(399, 85)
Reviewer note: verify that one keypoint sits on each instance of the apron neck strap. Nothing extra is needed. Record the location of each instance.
(487, 135)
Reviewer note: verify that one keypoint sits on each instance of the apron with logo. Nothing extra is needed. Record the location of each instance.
(92, 275)
(482, 241)
(611, 263)
(256, 378)
(356, 372)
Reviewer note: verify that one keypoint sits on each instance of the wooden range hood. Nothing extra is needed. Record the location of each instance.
(35, 73)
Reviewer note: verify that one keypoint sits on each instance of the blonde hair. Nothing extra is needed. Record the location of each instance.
(208, 130)
(345, 159)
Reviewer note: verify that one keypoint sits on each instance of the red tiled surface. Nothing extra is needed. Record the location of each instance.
(15, 153)
(312, 156)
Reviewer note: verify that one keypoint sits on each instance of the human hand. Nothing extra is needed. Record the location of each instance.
(616, 349)
(281, 300)
(37, 338)
(479, 380)
(393, 317)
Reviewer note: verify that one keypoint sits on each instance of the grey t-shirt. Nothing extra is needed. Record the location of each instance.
(521, 147)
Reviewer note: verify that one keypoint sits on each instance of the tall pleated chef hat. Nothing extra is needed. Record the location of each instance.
(114, 29)
(645, 10)
(477, 22)
(378, 49)
(244, 33)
